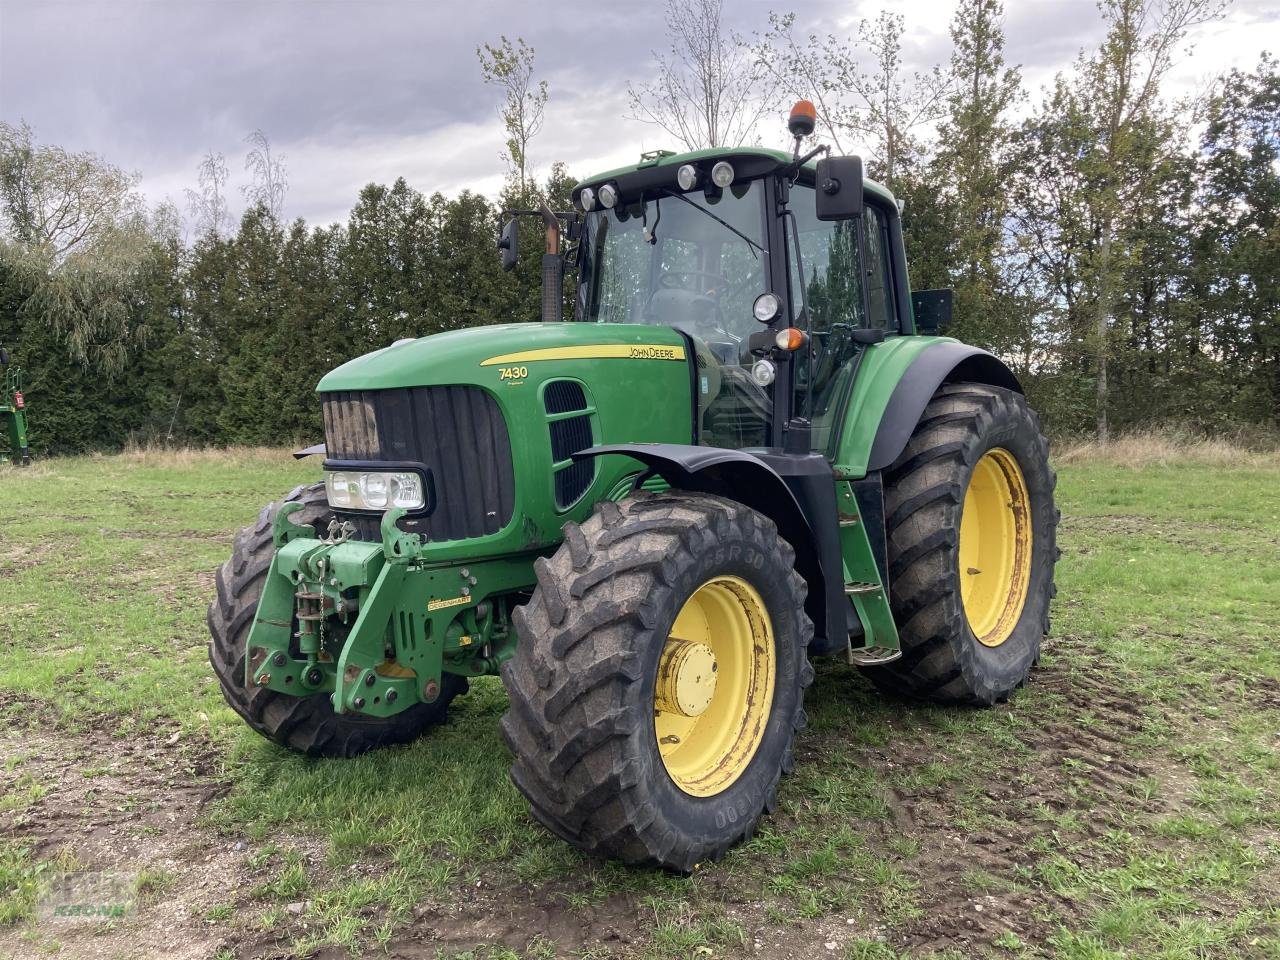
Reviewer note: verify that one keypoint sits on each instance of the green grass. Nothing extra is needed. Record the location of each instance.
(1124, 805)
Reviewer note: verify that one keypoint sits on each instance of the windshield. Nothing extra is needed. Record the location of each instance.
(681, 260)
(695, 263)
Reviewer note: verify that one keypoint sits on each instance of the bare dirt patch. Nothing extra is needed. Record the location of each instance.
(127, 810)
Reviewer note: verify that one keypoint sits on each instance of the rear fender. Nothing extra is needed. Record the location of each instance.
(796, 492)
(895, 382)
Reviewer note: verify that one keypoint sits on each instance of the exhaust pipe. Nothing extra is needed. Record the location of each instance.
(552, 269)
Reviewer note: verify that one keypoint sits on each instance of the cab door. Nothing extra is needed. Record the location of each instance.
(827, 300)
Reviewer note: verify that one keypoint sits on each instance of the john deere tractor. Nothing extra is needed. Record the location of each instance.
(13, 412)
(749, 447)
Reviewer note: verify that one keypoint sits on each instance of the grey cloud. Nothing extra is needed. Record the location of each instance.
(353, 91)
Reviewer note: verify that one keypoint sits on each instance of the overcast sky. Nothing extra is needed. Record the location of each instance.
(353, 91)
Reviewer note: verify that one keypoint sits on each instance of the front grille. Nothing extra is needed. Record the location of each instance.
(568, 436)
(458, 432)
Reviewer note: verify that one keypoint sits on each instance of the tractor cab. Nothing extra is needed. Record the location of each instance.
(776, 287)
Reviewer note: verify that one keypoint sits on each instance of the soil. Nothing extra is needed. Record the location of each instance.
(116, 812)
(131, 808)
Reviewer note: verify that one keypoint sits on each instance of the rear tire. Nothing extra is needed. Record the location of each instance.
(587, 702)
(305, 724)
(966, 427)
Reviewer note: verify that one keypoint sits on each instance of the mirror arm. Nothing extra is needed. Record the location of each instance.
(792, 168)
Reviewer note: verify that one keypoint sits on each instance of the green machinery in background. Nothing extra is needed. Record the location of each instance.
(749, 447)
(13, 412)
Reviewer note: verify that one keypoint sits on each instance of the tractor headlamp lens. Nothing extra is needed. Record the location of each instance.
(763, 372)
(722, 174)
(374, 491)
(608, 196)
(587, 199)
(373, 487)
(687, 176)
(767, 307)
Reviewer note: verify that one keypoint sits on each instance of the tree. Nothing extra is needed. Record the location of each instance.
(1117, 93)
(709, 89)
(878, 103)
(1236, 253)
(75, 235)
(509, 67)
(54, 202)
(208, 204)
(974, 166)
(269, 177)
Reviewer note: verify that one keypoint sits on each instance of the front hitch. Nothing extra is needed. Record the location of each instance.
(374, 625)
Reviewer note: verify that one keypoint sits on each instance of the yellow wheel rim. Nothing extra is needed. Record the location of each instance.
(714, 688)
(995, 547)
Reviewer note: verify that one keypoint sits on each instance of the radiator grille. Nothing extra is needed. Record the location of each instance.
(562, 396)
(458, 432)
(568, 436)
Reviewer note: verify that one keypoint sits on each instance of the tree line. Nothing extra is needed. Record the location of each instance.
(1120, 249)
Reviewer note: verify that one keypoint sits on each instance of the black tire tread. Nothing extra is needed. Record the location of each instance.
(580, 633)
(923, 497)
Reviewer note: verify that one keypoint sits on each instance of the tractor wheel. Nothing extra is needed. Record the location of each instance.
(659, 679)
(971, 530)
(305, 724)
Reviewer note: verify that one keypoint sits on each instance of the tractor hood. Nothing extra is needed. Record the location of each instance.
(512, 354)
(491, 417)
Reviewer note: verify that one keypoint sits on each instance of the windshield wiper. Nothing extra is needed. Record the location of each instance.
(727, 226)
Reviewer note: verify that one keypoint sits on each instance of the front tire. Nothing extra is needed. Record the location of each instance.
(305, 724)
(623, 743)
(972, 526)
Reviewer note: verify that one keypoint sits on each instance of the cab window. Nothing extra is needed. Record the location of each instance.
(827, 300)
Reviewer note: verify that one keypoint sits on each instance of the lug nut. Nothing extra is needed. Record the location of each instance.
(278, 659)
(391, 696)
(358, 703)
(369, 680)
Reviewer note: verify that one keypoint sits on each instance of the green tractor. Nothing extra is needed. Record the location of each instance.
(750, 447)
(13, 412)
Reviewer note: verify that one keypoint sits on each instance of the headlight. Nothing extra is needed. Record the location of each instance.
(687, 176)
(374, 491)
(763, 372)
(608, 196)
(722, 174)
(767, 308)
(587, 199)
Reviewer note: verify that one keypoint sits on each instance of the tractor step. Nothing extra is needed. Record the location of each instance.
(859, 588)
(872, 656)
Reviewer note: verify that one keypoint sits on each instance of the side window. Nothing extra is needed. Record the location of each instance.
(879, 272)
(623, 279)
(831, 300)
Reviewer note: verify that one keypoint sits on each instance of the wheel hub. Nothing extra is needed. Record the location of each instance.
(995, 547)
(713, 691)
(686, 678)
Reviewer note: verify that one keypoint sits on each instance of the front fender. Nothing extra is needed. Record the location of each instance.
(796, 492)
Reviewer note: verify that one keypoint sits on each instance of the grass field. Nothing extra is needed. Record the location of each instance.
(1126, 804)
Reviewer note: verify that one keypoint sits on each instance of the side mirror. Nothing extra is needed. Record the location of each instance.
(508, 245)
(839, 188)
(932, 310)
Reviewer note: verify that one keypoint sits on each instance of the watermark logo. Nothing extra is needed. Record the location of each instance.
(87, 895)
